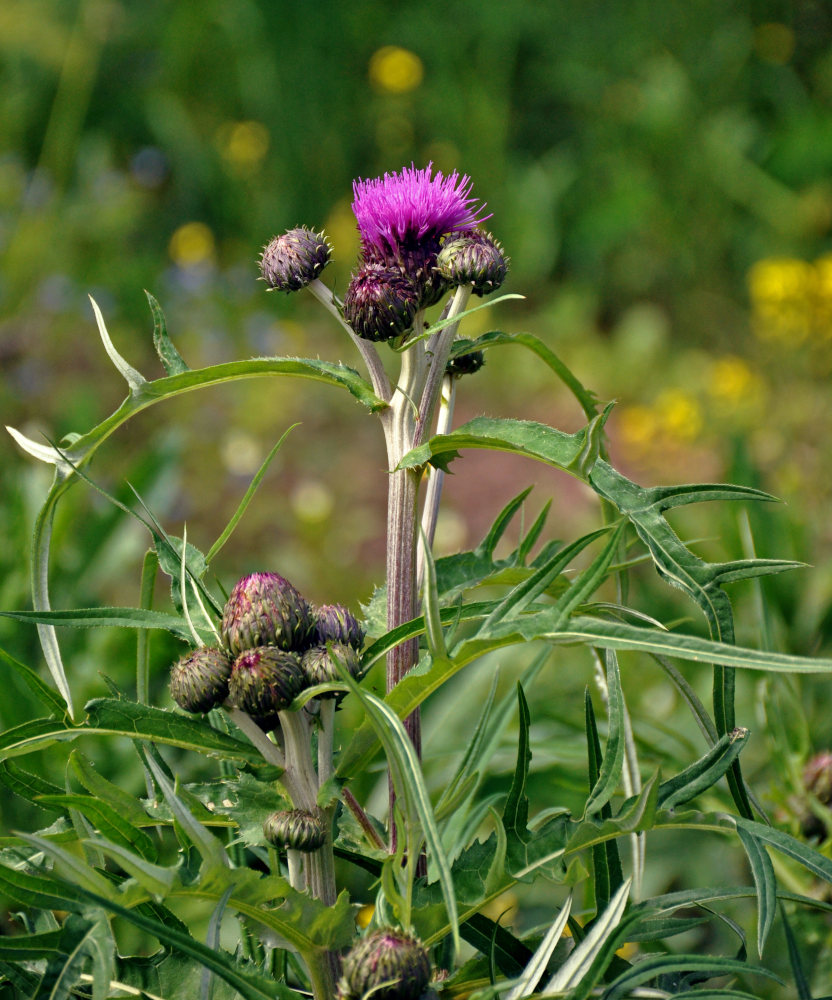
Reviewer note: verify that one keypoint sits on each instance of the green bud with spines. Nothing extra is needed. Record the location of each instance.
(199, 680)
(473, 257)
(265, 680)
(380, 303)
(264, 609)
(464, 364)
(294, 259)
(336, 623)
(385, 956)
(296, 829)
(318, 664)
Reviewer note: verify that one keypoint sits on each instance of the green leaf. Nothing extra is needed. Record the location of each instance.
(155, 879)
(656, 965)
(704, 773)
(520, 437)
(575, 970)
(410, 788)
(765, 882)
(29, 786)
(102, 617)
(510, 954)
(516, 810)
(612, 766)
(171, 358)
(108, 821)
(40, 691)
(807, 856)
(533, 973)
(804, 991)
(433, 623)
(70, 866)
(126, 805)
(31, 947)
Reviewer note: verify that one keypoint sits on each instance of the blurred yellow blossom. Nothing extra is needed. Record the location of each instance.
(638, 427)
(365, 915)
(679, 415)
(783, 298)
(733, 385)
(395, 70)
(191, 244)
(243, 144)
(774, 42)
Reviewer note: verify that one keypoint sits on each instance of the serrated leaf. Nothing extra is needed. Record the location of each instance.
(29, 786)
(155, 879)
(612, 766)
(129, 807)
(805, 855)
(516, 810)
(108, 821)
(171, 359)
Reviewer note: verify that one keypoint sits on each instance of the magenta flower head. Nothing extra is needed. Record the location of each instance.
(402, 218)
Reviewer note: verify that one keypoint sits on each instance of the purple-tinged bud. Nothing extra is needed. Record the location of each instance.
(294, 259)
(473, 258)
(335, 623)
(264, 609)
(817, 777)
(385, 956)
(199, 681)
(297, 829)
(380, 303)
(465, 364)
(319, 666)
(264, 681)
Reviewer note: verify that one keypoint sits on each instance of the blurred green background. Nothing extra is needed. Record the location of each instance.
(660, 173)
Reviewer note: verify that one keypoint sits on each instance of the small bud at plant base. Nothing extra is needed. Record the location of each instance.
(199, 681)
(385, 956)
(319, 666)
(294, 259)
(465, 364)
(264, 609)
(335, 623)
(264, 681)
(380, 303)
(473, 258)
(297, 829)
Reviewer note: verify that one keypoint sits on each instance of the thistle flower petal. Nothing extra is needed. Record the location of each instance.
(400, 210)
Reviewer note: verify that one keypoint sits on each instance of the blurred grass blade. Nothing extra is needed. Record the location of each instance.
(801, 982)
(533, 972)
(138, 618)
(700, 713)
(765, 882)
(516, 809)
(150, 567)
(40, 691)
(653, 966)
(247, 498)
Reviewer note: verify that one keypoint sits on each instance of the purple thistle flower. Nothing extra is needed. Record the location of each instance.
(402, 218)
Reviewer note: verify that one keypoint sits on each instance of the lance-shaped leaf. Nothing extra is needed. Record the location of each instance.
(703, 773)
(171, 359)
(103, 617)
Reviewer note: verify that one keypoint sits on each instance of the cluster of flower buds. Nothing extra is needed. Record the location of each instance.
(386, 964)
(419, 240)
(275, 645)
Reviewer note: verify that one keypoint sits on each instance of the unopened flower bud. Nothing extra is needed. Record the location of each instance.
(473, 258)
(319, 666)
(817, 777)
(297, 829)
(380, 303)
(199, 681)
(264, 609)
(264, 680)
(335, 623)
(465, 364)
(294, 259)
(390, 957)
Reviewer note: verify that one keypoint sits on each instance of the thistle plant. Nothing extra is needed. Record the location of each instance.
(282, 828)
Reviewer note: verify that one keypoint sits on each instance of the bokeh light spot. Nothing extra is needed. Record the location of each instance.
(774, 42)
(395, 70)
(192, 244)
(244, 144)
